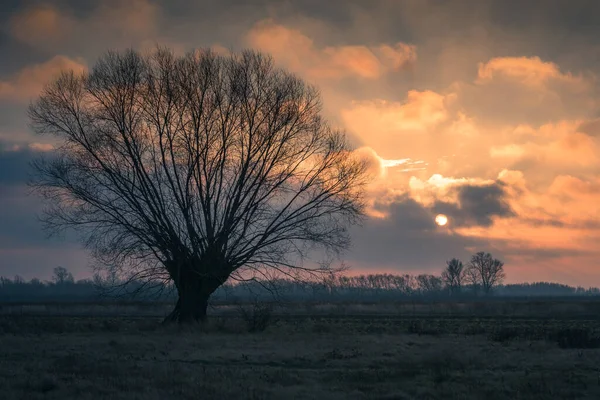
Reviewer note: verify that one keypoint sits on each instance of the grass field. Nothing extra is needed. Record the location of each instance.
(333, 356)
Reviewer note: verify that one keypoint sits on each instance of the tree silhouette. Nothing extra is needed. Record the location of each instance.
(61, 276)
(428, 284)
(196, 169)
(485, 271)
(453, 275)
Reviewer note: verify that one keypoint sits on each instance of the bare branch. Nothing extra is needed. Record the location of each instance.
(195, 168)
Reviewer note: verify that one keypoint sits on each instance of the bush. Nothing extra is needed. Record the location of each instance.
(420, 328)
(505, 334)
(576, 338)
(257, 316)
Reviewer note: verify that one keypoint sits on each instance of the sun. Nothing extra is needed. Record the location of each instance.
(441, 219)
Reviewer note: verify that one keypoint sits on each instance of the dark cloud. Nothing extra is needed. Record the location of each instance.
(408, 240)
(19, 206)
(19, 215)
(25, 248)
(15, 164)
(13, 120)
(484, 202)
(477, 205)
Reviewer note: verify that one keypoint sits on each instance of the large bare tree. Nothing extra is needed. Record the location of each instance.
(196, 169)
(485, 271)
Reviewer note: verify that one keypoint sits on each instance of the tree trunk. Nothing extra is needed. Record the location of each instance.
(192, 302)
(190, 307)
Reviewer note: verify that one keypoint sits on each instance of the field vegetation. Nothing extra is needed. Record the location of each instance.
(343, 351)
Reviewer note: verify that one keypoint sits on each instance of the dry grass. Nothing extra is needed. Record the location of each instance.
(581, 307)
(302, 358)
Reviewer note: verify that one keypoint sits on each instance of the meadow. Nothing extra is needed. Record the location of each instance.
(525, 349)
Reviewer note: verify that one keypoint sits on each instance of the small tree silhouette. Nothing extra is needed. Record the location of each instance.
(485, 271)
(61, 276)
(454, 275)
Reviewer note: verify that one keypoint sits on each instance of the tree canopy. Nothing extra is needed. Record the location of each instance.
(196, 169)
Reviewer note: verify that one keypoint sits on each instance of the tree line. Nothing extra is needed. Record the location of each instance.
(482, 276)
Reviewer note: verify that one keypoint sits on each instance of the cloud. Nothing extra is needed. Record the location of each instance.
(25, 248)
(531, 231)
(478, 204)
(43, 24)
(518, 90)
(551, 149)
(420, 111)
(118, 22)
(398, 129)
(379, 165)
(407, 240)
(14, 165)
(41, 147)
(529, 71)
(29, 82)
(574, 200)
(466, 201)
(590, 127)
(299, 53)
(570, 186)
(15, 161)
(564, 214)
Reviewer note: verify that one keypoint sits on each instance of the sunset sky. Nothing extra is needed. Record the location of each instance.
(485, 111)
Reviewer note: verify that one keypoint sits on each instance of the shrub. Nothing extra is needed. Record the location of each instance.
(576, 338)
(420, 328)
(505, 334)
(257, 316)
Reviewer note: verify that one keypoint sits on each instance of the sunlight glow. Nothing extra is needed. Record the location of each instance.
(393, 163)
(441, 219)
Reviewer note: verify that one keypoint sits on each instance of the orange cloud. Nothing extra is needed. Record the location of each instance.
(399, 56)
(42, 23)
(41, 147)
(557, 146)
(399, 129)
(28, 83)
(379, 165)
(530, 71)
(299, 53)
(420, 111)
(570, 185)
(439, 187)
(576, 199)
(47, 27)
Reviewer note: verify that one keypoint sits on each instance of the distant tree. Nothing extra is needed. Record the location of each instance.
(61, 276)
(36, 282)
(454, 275)
(485, 272)
(197, 169)
(429, 284)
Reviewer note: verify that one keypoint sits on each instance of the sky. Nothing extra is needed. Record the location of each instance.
(486, 111)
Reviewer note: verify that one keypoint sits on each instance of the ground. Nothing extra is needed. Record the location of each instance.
(304, 357)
